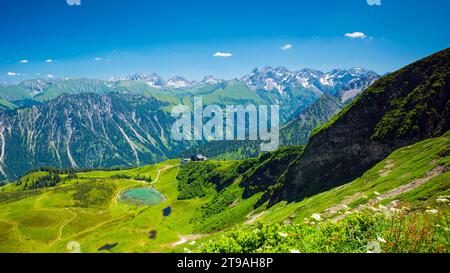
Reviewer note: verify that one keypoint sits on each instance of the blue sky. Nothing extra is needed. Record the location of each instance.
(105, 38)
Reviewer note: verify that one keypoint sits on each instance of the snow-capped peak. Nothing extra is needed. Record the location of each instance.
(337, 81)
(153, 79)
(210, 80)
(178, 82)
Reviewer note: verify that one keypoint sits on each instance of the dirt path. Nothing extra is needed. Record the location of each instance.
(157, 175)
(254, 217)
(399, 190)
(64, 224)
(413, 185)
(163, 169)
(187, 238)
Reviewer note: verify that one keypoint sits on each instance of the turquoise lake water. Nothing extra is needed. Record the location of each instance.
(142, 196)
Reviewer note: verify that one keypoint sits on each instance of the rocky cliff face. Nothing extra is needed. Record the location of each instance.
(84, 131)
(400, 109)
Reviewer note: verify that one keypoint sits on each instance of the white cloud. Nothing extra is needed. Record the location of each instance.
(356, 35)
(49, 61)
(97, 59)
(24, 61)
(222, 54)
(286, 47)
(11, 74)
(50, 76)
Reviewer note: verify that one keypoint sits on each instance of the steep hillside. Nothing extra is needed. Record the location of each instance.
(85, 131)
(401, 204)
(404, 200)
(297, 131)
(402, 108)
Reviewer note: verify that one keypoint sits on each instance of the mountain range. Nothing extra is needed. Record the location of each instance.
(373, 178)
(88, 123)
(400, 109)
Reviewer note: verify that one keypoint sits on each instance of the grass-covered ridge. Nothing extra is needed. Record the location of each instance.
(416, 98)
(225, 218)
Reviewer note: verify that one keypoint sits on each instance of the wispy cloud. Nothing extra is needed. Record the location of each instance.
(11, 74)
(49, 61)
(23, 61)
(222, 54)
(356, 35)
(97, 59)
(286, 47)
(50, 76)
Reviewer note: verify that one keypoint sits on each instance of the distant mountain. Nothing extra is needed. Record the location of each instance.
(296, 90)
(85, 131)
(402, 108)
(344, 84)
(295, 132)
(39, 106)
(44, 90)
(153, 80)
(298, 131)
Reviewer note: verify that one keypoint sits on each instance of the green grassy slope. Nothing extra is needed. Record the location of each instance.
(402, 204)
(210, 211)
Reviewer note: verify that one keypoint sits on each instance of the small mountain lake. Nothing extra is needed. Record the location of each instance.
(142, 196)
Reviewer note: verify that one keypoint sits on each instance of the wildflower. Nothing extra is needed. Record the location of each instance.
(294, 251)
(316, 216)
(282, 234)
(431, 211)
(381, 240)
(187, 250)
(376, 193)
(374, 247)
(192, 243)
(395, 210)
(442, 200)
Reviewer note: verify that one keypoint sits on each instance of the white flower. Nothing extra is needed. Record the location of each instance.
(381, 240)
(376, 193)
(294, 251)
(282, 234)
(316, 216)
(431, 211)
(192, 243)
(374, 247)
(394, 210)
(187, 250)
(442, 200)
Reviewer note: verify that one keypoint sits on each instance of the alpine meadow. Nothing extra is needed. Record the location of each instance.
(99, 154)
